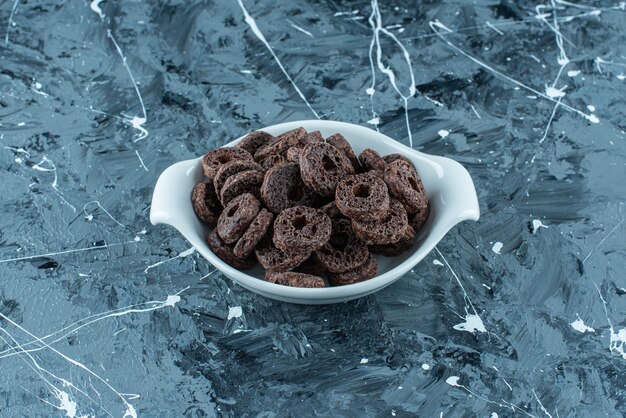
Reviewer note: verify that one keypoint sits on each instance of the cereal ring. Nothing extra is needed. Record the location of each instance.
(387, 230)
(364, 272)
(293, 154)
(393, 157)
(419, 218)
(225, 253)
(314, 136)
(271, 161)
(343, 251)
(254, 140)
(283, 188)
(205, 203)
(301, 228)
(231, 168)
(271, 258)
(339, 142)
(363, 197)
(213, 160)
(255, 232)
(391, 250)
(243, 182)
(282, 143)
(405, 185)
(322, 166)
(236, 217)
(371, 160)
(290, 278)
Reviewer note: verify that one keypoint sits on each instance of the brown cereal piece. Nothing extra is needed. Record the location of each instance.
(331, 210)
(243, 182)
(282, 143)
(391, 250)
(214, 159)
(293, 279)
(271, 258)
(405, 185)
(338, 141)
(254, 140)
(418, 219)
(255, 232)
(315, 136)
(364, 272)
(283, 188)
(293, 154)
(343, 251)
(389, 158)
(230, 169)
(322, 166)
(312, 266)
(205, 203)
(363, 197)
(236, 217)
(301, 228)
(271, 161)
(371, 160)
(386, 230)
(225, 253)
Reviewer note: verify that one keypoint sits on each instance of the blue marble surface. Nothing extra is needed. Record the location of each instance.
(520, 314)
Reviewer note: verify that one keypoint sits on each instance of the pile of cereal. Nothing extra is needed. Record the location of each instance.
(307, 209)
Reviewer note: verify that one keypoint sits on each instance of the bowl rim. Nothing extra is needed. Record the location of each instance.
(337, 292)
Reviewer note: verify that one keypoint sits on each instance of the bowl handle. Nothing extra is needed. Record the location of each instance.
(468, 209)
(455, 189)
(171, 191)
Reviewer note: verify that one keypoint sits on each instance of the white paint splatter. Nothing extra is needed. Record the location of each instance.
(364, 361)
(234, 312)
(181, 255)
(255, 29)
(67, 404)
(298, 28)
(353, 12)
(77, 250)
(498, 31)
(374, 121)
(11, 22)
(573, 73)
(436, 24)
(95, 6)
(472, 324)
(135, 121)
(375, 21)
(621, 76)
(443, 133)
(425, 366)
(437, 263)
(580, 326)
(617, 343)
(537, 224)
(89, 216)
(554, 93)
(141, 160)
(494, 415)
(591, 108)
(453, 380)
(470, 320)
(497, 247)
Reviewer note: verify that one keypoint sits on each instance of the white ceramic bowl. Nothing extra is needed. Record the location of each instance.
(449, 186)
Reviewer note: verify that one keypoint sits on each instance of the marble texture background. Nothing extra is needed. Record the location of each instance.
(102, 314)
